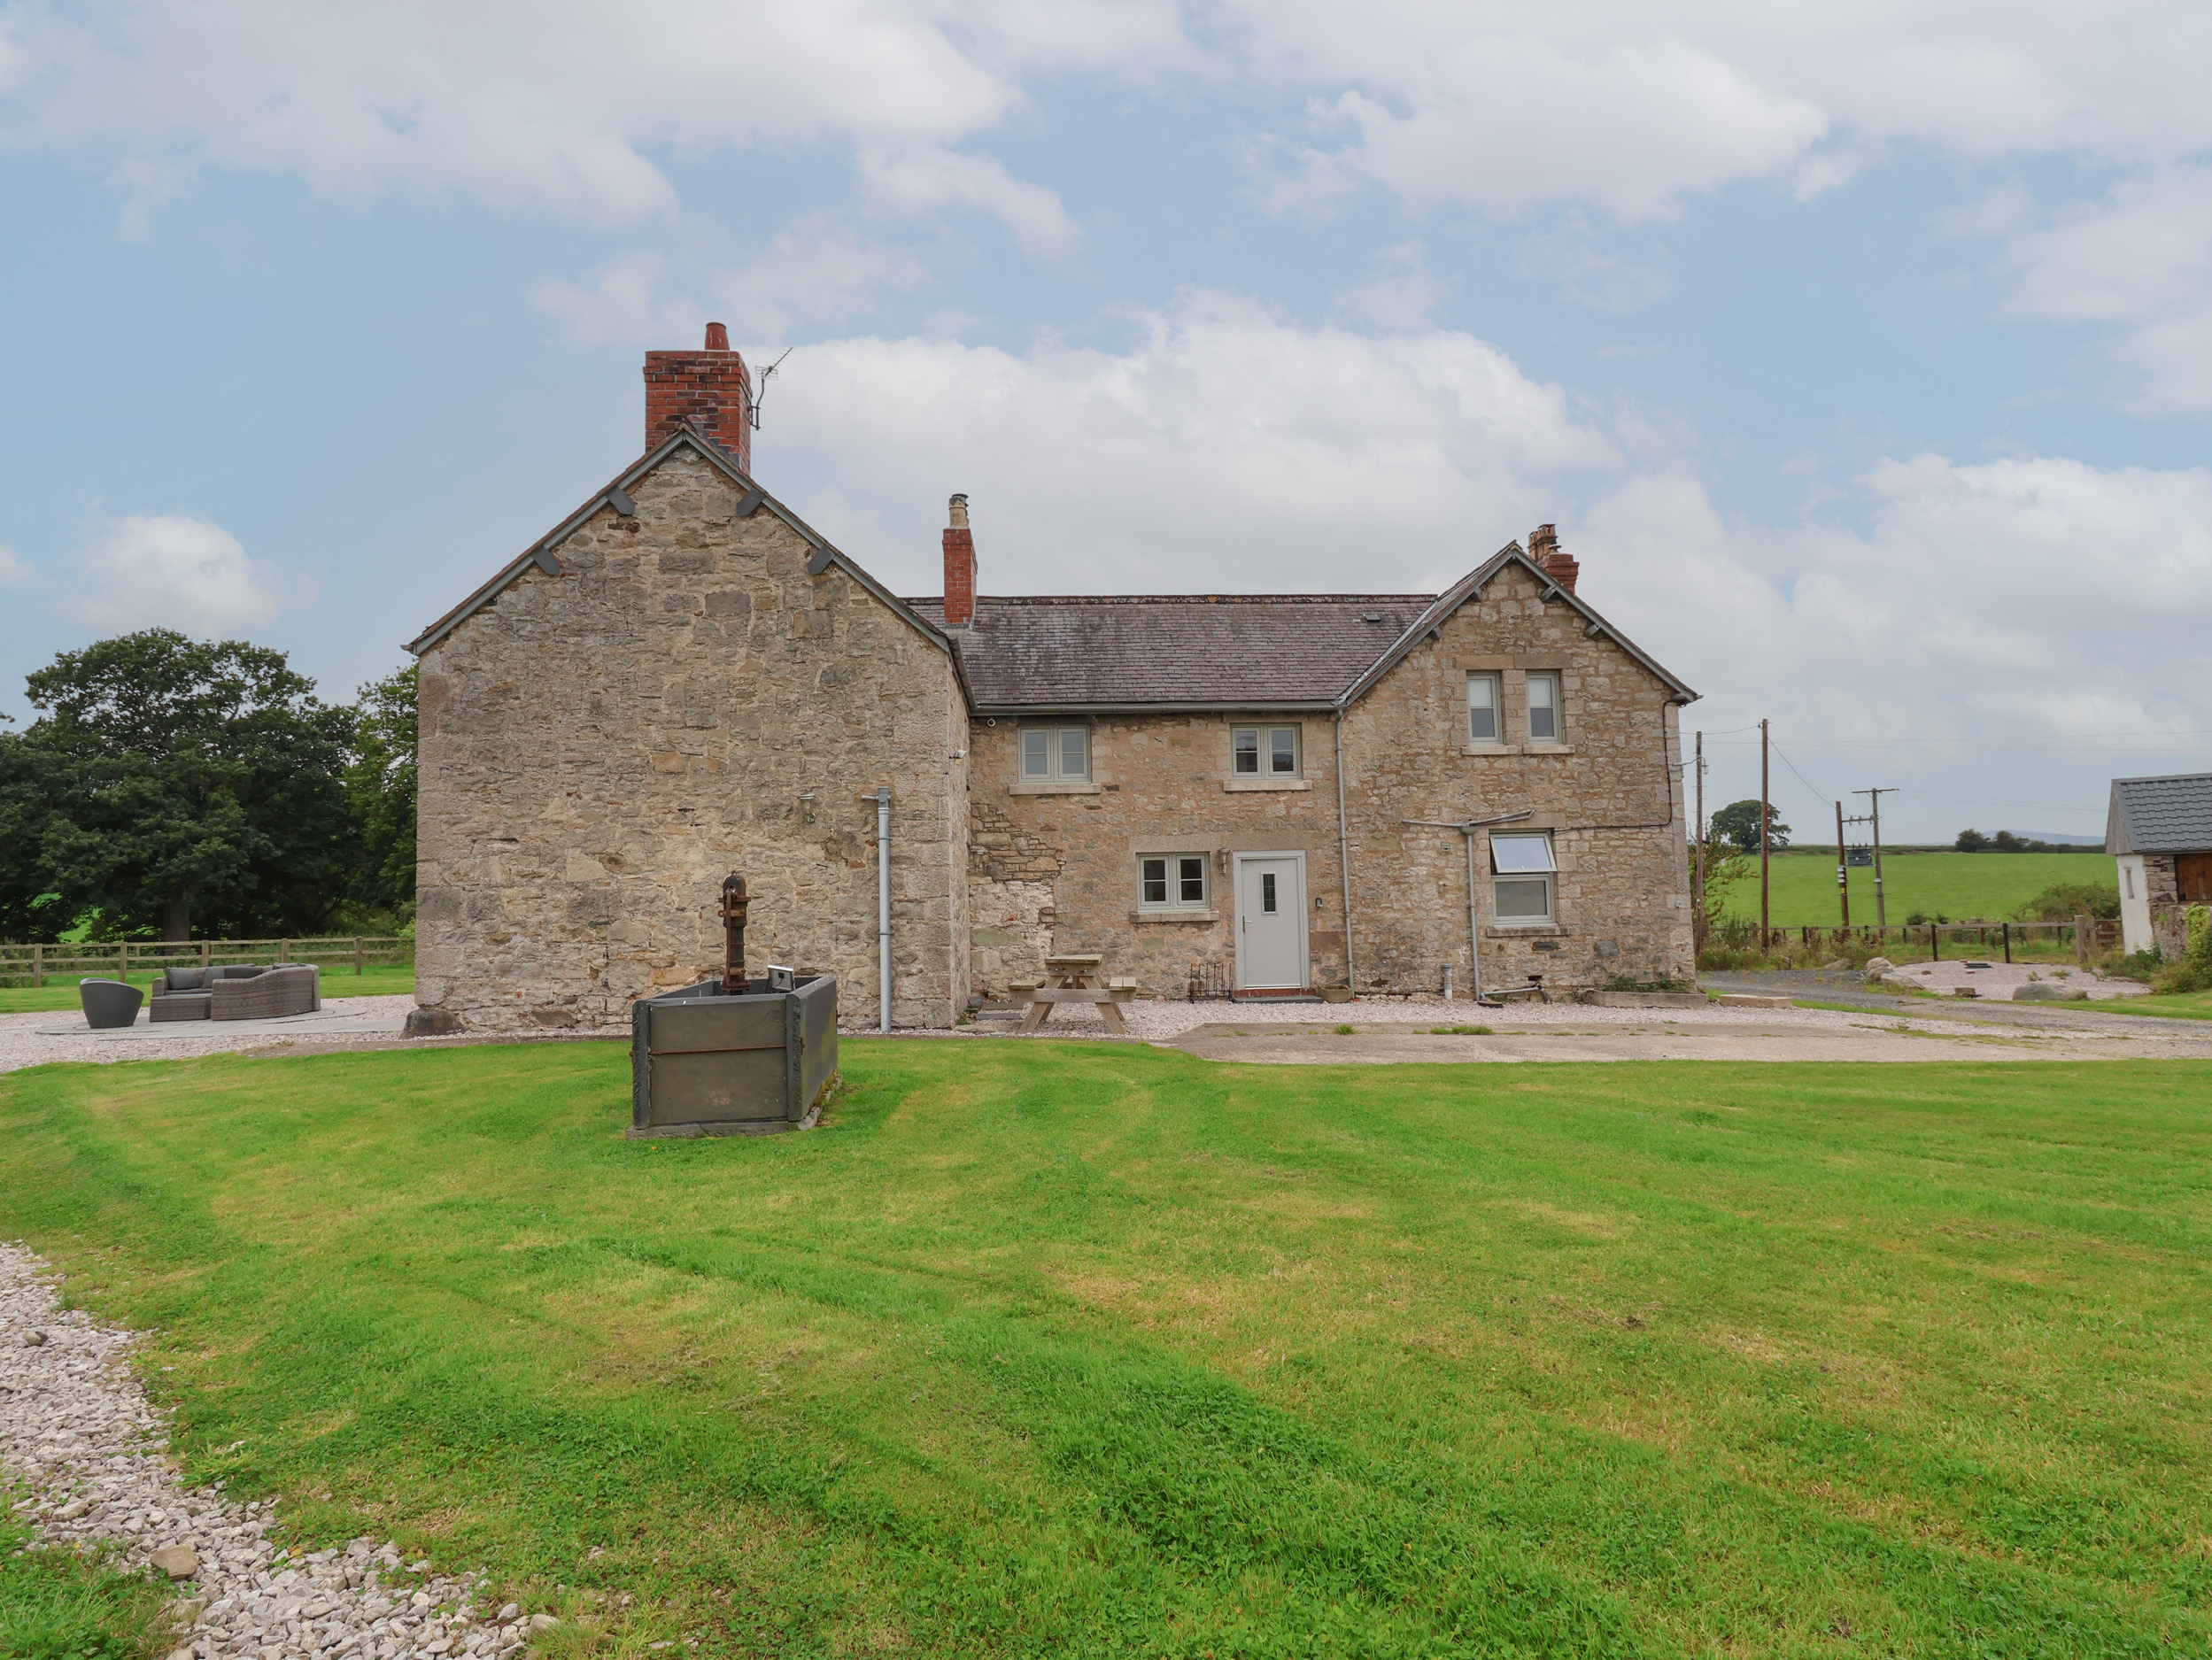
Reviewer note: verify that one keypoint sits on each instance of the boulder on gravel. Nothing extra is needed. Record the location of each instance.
(179, 1561)
(2045, 992)
(1877, 967)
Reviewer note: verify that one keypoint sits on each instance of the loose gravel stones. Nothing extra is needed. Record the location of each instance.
(78, 1432)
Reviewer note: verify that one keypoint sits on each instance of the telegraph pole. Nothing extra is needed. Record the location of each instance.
(1881, 908)
(1765, 816)
(1843, 873)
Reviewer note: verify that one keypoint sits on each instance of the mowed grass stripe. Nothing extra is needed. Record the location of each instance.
(1075, 1349)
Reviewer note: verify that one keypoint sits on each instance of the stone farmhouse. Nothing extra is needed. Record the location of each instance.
(1248, 795)
(2159, 831)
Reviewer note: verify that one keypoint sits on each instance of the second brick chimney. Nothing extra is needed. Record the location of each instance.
(1543, 552)
(960, 567)
(710, 387)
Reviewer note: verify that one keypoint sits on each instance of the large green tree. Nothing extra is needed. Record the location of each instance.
(1737, 823)
(170, 784)
(380, 790)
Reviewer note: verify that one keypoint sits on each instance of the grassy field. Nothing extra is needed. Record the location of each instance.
(1803, 885)
(56, 1607)
(1081, 1349)
(58, 994)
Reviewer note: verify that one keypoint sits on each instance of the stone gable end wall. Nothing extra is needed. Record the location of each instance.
(600, 748)
(1623, 894)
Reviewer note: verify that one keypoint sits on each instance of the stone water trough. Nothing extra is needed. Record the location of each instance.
(733, 1055)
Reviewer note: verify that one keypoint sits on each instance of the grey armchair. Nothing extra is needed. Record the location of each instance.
(268, 994)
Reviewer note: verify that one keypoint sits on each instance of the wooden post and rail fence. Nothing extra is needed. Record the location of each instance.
(333, 953)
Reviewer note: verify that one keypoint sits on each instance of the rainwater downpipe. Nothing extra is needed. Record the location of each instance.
(1344, 862)
(883, 907)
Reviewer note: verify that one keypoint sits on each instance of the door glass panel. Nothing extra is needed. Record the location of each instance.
(1073, 762)
(1036, 753)
(1267, 891)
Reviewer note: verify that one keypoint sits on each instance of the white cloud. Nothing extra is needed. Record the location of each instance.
(13, 571)
(549, 106)
(1224, 441)
(2141, 262)
(1988, 612)
(915, 179)
(1401, 294)
(624, 307)
(169, 570)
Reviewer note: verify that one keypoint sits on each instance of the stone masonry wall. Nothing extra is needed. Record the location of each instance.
(1609, 790)
(1053, 868)
(600, 748)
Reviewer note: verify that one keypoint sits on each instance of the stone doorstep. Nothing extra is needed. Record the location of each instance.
(1745, 1000)
(1648, 999)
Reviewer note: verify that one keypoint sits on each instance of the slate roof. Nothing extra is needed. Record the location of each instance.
(1230, 650)
(2172, 814)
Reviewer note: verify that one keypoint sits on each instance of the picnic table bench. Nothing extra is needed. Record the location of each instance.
(1075, 979)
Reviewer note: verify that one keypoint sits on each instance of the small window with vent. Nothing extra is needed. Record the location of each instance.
(1523, 875)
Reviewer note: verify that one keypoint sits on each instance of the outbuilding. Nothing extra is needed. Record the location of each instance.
(2160, 830)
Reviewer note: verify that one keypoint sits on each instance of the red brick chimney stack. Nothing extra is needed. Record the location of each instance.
(709, 387)
(1543, 552)
(960, 569)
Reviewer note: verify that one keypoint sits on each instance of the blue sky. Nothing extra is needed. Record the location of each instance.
(1864, 361)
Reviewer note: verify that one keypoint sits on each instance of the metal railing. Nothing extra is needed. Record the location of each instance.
(2087, 937)
(33, 964)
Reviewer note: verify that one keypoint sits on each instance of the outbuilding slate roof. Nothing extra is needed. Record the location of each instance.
(2172, 814)
(1141, 649)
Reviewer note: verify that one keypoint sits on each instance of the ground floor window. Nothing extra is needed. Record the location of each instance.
(1171, 882)
(1523, 875)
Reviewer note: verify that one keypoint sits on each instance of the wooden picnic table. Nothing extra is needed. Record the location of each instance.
(1075, 979)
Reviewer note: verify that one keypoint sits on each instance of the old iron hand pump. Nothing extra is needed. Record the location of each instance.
(733, 904)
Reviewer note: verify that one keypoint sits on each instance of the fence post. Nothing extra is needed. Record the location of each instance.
(2081, 939)
(205, 947)
(38, 965)
(359, 957)
(1935, 944)
(2008, 942)
(122, 960)
(284, 951)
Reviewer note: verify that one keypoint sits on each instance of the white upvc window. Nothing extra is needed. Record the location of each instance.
(1171, 882)
(1482, 709)
(1543, 708)
(1523, 878)
(1055, 754)
(1263, 751)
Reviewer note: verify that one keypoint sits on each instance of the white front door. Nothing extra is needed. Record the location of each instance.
(1271, 922)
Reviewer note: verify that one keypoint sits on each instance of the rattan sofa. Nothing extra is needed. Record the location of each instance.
(236, 992)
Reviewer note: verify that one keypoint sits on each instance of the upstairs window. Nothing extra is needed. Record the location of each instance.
(1171, 882)
(1523, 879)
(1264, 752)
(1055, 754)
(1482, 708)
(1543, 708)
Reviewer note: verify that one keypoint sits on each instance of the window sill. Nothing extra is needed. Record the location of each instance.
(1244, 784)
(1517, 749)
(1166, 914)
(1518, 930)
(1054, 789)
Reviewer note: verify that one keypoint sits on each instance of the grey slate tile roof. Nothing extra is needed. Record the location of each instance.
(2172, 814)
(1066, 652)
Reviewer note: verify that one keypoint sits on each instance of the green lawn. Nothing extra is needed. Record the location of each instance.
(1803, 885)
(337, 982)
(57, 1606)
(1098, 1349)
